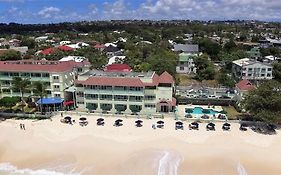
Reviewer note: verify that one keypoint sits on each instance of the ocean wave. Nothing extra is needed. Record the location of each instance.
(7, 168)
(241, 170)
(169, 163)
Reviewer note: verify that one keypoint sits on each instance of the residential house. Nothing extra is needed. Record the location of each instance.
(271, 59)
(186, 48)
(251, 69)
(112, 51)
(186, 64)
(116, 59)
(254, 53)
(243, 87)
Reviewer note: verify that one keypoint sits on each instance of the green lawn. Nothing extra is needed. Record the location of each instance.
(232, 114)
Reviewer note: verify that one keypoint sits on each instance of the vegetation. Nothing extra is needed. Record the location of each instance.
(9, 101)
(277, 71)
(10, 55)
(39, 90)
(264, 103)
(205, 68)
(21, 85)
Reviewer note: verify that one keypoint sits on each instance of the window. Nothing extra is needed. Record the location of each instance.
(135, 88)
(181, 68)
(80, 102)
(35, 75)
(262, 75)
(57, 95)
(79, 69)
(120, 98)
(244, 68)
(269, 69)
(80, 94)
(268, 75)
(250, 69)
(243, 74)
(105, 97)
(91, 96)
(263, 69)
(120, 88)
(6, 91)
(181, 62)
(149, 105)
(136, 98)
(249, 75)
(150, 97)
(45, 75)
(56, 86)
(55, 77)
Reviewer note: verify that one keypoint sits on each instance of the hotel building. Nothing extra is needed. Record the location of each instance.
(125, 92)
(57, 75)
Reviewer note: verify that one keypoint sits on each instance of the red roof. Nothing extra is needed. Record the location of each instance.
(166, 78)
(39, 66)
(118, 68)
(112, 81)
(245, 85)
(65, 48)
(99, 46)
(47, 51)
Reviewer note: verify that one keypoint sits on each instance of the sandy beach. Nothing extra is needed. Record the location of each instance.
(51, 147)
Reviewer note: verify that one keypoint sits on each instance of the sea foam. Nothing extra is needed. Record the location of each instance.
(169, 163)
(7, 168)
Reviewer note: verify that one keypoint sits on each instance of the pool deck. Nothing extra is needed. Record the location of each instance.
(181, 110)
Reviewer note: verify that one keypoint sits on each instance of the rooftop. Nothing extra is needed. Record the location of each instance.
(189, 48)
(245, 85)
(247, 61)
(39, 66)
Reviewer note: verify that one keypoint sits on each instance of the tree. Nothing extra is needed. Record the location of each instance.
(204, 68)
(10, 55)
(30, 43)
(21, 85)
(230, 46)
(265, 102)
(225, 80)
(210, 47)
(227, 58)
(276, 72)
(39, 90)
(270, 51)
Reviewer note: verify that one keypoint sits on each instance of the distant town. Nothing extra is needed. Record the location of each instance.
(143, 68)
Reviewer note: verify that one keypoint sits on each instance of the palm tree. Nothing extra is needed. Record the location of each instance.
(21, 85)
(39, 90)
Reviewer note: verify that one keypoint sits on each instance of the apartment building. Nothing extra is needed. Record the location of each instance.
(57, 75)
(125, 92)
(251, 69)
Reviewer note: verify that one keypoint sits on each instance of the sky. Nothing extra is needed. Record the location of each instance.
(54, 11)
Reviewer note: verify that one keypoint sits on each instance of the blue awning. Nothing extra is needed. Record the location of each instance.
(48, 101)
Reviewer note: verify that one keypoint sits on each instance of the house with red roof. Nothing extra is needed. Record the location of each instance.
(125, 92)
(51, 50)
(117, 68)
(100, 47)
(243, 87)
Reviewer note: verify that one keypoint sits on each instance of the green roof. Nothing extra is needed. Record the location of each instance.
(185, 57)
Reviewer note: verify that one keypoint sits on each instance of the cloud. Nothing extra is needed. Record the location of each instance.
(48, 12)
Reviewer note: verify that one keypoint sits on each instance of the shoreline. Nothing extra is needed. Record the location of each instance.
(130, 150)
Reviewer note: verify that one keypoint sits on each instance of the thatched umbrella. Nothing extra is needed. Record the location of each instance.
(100, 119)
(67, 118)
(83, 118)
(160, 122)
(226, 124)
(138, 121)
(195, 124)
(119, 120)
(179, 123)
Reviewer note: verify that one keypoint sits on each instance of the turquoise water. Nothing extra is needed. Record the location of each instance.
(199, 110)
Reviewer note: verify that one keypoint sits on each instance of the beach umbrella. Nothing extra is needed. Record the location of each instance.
(119, 120)
(83, 118)
(226, 124)
(211, 124)
(160, 122)
(195, 123)
(138, 121)
(179, 123)
(67, 118)
(100, 119)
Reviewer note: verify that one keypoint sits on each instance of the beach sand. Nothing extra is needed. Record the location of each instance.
(107, 150)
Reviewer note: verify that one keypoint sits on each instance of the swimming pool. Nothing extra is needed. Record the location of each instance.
(199, 110)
